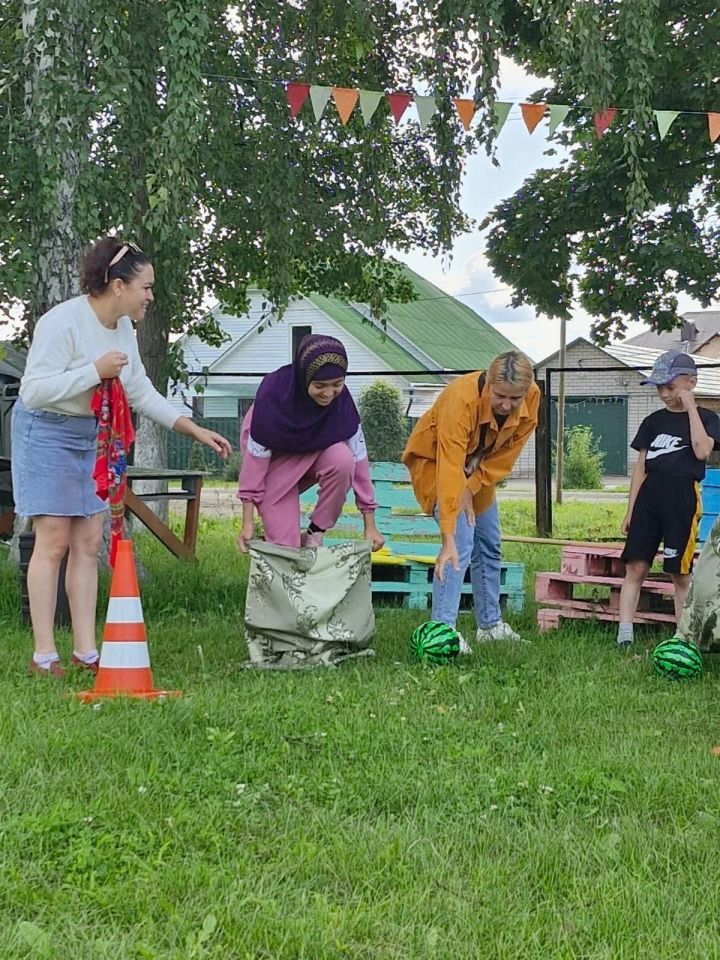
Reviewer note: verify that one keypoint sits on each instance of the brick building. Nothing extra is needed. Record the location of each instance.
(614, 403)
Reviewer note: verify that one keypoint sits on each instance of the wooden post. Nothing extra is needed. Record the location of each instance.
(193, 485)
(543, 462)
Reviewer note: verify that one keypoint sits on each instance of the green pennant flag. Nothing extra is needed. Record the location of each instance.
(665, 119)
(558, 113)
(426, 110)
(501, 109)
(319, 97)
(369, 100)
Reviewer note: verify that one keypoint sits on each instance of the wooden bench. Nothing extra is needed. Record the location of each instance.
(191, 486)
(191, 482)
(404, 568)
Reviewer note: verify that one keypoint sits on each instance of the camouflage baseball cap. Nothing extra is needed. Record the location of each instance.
(669, 365)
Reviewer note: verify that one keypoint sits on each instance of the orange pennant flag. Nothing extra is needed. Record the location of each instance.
(713, 126)
(466, 111)
(603, 119)
(345, 99)
(532, 114)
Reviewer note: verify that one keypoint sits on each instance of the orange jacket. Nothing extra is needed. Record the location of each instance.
(444, 437)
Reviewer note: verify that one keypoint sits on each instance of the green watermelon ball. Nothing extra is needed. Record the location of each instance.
(677, 659)
(435, 642)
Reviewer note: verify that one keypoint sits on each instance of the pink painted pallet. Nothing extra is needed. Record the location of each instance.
(562, 587)
(595, 561)
(588, 588)
(552, 618)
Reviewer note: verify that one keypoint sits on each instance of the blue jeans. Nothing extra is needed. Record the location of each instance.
(478, 546)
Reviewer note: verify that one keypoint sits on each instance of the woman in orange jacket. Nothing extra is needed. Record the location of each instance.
(458, 451)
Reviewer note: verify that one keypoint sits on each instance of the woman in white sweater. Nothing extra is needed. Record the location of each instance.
(77, 345)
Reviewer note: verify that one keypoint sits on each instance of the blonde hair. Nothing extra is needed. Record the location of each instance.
(513, 368)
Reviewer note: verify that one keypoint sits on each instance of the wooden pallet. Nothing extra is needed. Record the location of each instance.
(600, 569)
(560, 588)
(410, 580)
(551, 618)
(413, 560)
(595, 561)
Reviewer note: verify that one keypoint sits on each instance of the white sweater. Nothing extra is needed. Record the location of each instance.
(60, 374)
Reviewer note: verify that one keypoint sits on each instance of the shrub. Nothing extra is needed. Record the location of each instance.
(384, 422)
(231, 466)
(196, 460)
(583, 462)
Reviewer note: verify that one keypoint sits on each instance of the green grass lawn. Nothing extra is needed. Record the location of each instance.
(550, 801)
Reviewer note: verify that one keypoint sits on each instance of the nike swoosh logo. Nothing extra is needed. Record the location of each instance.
(652, 454)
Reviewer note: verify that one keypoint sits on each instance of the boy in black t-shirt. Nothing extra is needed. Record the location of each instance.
(664, 503)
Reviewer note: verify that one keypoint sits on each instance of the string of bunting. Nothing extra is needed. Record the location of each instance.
(347, 98)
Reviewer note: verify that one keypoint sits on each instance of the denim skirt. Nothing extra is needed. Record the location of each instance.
(52, 459)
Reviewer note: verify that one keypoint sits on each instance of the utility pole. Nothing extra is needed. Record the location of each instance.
(560, 436)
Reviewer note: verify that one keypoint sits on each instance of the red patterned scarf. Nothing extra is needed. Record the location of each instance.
(115, 437)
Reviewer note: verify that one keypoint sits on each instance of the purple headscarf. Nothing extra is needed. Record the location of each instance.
(285, 419)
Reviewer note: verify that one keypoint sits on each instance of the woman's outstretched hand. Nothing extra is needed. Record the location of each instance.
(217, 443)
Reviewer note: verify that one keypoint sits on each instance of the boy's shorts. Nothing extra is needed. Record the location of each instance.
(667, 511)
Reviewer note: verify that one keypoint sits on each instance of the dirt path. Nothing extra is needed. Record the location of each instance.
(214, 502)
(223, 502)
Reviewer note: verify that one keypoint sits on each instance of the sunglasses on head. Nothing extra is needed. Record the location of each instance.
(128, 247)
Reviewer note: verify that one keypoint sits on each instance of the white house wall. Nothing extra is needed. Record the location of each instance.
(266, 351)
(272, 348)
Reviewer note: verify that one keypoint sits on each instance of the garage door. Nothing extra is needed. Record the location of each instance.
(607, 417)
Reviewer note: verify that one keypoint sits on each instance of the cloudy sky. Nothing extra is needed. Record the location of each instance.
(519, 154)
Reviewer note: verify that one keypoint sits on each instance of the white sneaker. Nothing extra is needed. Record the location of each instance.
(311, 540)
(465, 647)
(500, 631)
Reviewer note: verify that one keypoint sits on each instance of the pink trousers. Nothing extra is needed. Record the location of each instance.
(289, 475)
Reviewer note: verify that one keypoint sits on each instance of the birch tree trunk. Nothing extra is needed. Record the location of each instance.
(53, 59)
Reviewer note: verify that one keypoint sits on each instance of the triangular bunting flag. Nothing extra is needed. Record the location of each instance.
(466, 111)
(398, 104)
(532, 114)
(345, 99)
(297, 94)
(426, 109)
(501, 110)
(713, 126)
(558, 112)
(369, 100)
(665, 119)
(603, 119)
(319, 97)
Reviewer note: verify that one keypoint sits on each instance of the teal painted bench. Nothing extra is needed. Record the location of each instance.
(405, 567)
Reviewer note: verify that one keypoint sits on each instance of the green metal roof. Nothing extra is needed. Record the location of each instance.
(371, 337)
(447, 331)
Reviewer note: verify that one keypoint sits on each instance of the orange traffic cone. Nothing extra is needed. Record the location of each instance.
(124, 660)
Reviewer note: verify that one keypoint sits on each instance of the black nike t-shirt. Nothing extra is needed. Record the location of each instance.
(666, 438)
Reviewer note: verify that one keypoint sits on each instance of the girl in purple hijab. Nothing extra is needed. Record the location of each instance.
(303, 429)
